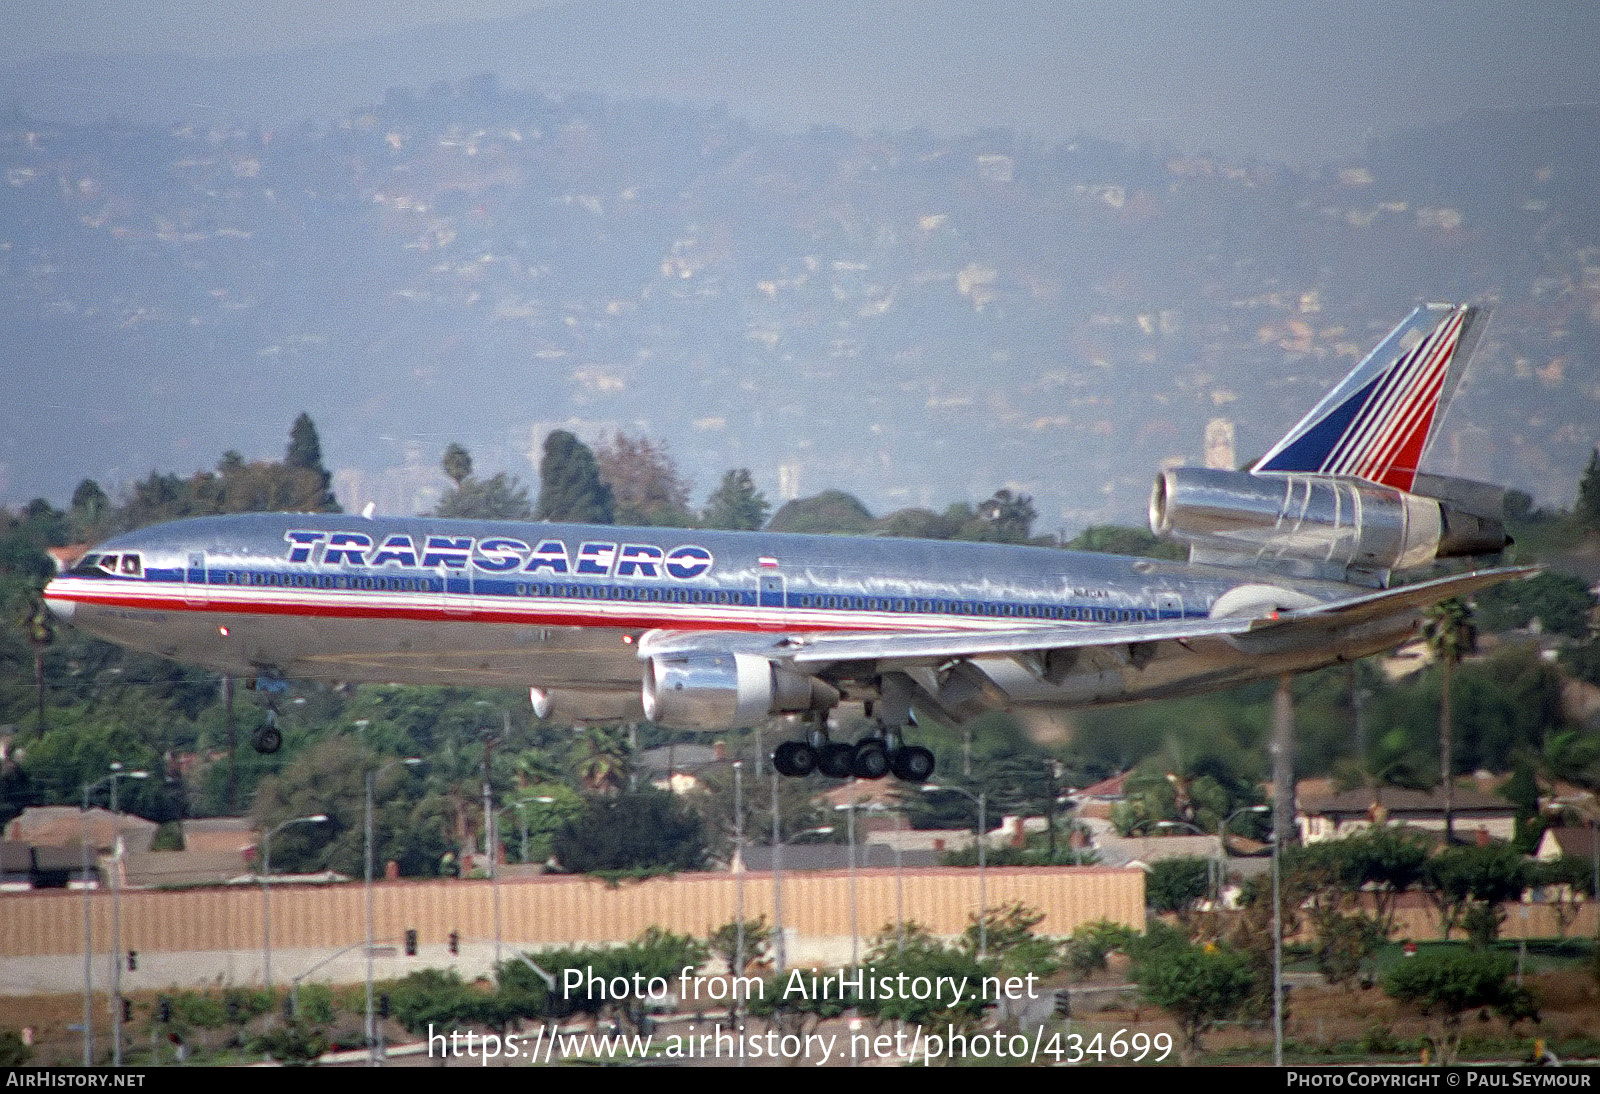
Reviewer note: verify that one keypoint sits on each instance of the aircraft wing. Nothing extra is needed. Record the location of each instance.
(1310, 624)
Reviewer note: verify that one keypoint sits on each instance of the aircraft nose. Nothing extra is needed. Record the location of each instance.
(59, 605)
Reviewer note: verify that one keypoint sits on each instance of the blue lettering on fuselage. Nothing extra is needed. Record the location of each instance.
(499, 554)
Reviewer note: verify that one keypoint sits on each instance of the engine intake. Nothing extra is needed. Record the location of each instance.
(716, 691)
(1312, 525)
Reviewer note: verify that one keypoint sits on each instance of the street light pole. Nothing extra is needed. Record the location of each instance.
(777, 881)
(116, 922)
(899, 891)
(266, 894)
(850, 839)
(371, 1021)
(738, 881)
(981, 798)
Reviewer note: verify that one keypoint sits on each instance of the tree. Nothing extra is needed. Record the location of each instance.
(1087, 950)
(644, 830)
(724, 943)
(647, 488)
(913, 953)
(1446, 985)
(1198, 985)
(916, 524)
(41, 631)
(1006, 934)
(457, 463)
(831, 512)
(570, 489)
(305, 454)
(330, 778)
(1176, 885)
(90, 507)
(1387, 862)
(1004, 518)
(1457, 879)
(1451, 636)
(499, 497)
(1587, 509)
(798, 811)
(736, 504)
(1115, 539)
(1560, 602)
(604, 760)
(1567, 882)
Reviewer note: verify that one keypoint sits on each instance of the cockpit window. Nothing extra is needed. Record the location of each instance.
(95, 565)
(127, 564)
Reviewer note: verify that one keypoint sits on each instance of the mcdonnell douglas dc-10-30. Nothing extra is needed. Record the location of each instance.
(1290, 568)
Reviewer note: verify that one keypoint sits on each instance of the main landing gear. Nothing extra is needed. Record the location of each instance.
(269, 738)
(872, 757)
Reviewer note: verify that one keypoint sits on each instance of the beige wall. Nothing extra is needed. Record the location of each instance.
(552, 911)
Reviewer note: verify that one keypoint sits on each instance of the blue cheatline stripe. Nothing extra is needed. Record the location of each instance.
(352, 592)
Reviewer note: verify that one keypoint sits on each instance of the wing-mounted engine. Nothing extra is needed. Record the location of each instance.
(1310, 525)
(717, 690)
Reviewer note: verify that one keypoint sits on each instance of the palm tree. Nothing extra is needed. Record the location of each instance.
(603, 765)
(41, 633)
(1451, 635)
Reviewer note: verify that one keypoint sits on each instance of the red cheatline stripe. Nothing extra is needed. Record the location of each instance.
(744, 620)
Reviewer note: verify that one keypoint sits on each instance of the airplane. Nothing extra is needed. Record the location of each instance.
(1291, 568)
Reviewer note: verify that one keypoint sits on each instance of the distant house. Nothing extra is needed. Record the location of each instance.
(16, 866)
(1476, 815)
(681, 768)
(24, 866)
(1570, 842)
(180, 869)
(231, 834)
(63, 825)
(1117, 850)
(801, 857)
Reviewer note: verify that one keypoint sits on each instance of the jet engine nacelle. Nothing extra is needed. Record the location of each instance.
(1319, 525)
(717, 691)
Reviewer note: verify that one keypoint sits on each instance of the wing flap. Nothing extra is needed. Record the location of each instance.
(912, 650)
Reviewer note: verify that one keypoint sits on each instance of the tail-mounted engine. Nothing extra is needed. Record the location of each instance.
(1324, 526)
(726, 690)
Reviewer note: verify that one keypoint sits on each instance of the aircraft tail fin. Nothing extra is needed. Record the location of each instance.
(1378, 422)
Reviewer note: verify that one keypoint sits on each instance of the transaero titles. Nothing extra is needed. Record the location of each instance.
(500, 555)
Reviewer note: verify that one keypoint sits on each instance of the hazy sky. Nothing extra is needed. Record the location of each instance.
(1296, 79)
(221, 28)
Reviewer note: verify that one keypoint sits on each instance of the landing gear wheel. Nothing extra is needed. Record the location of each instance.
(794, 759)
(267, 740)
(835, 760)
(870, 759)
(913, 764)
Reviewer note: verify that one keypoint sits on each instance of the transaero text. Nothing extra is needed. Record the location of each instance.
(500, 555)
